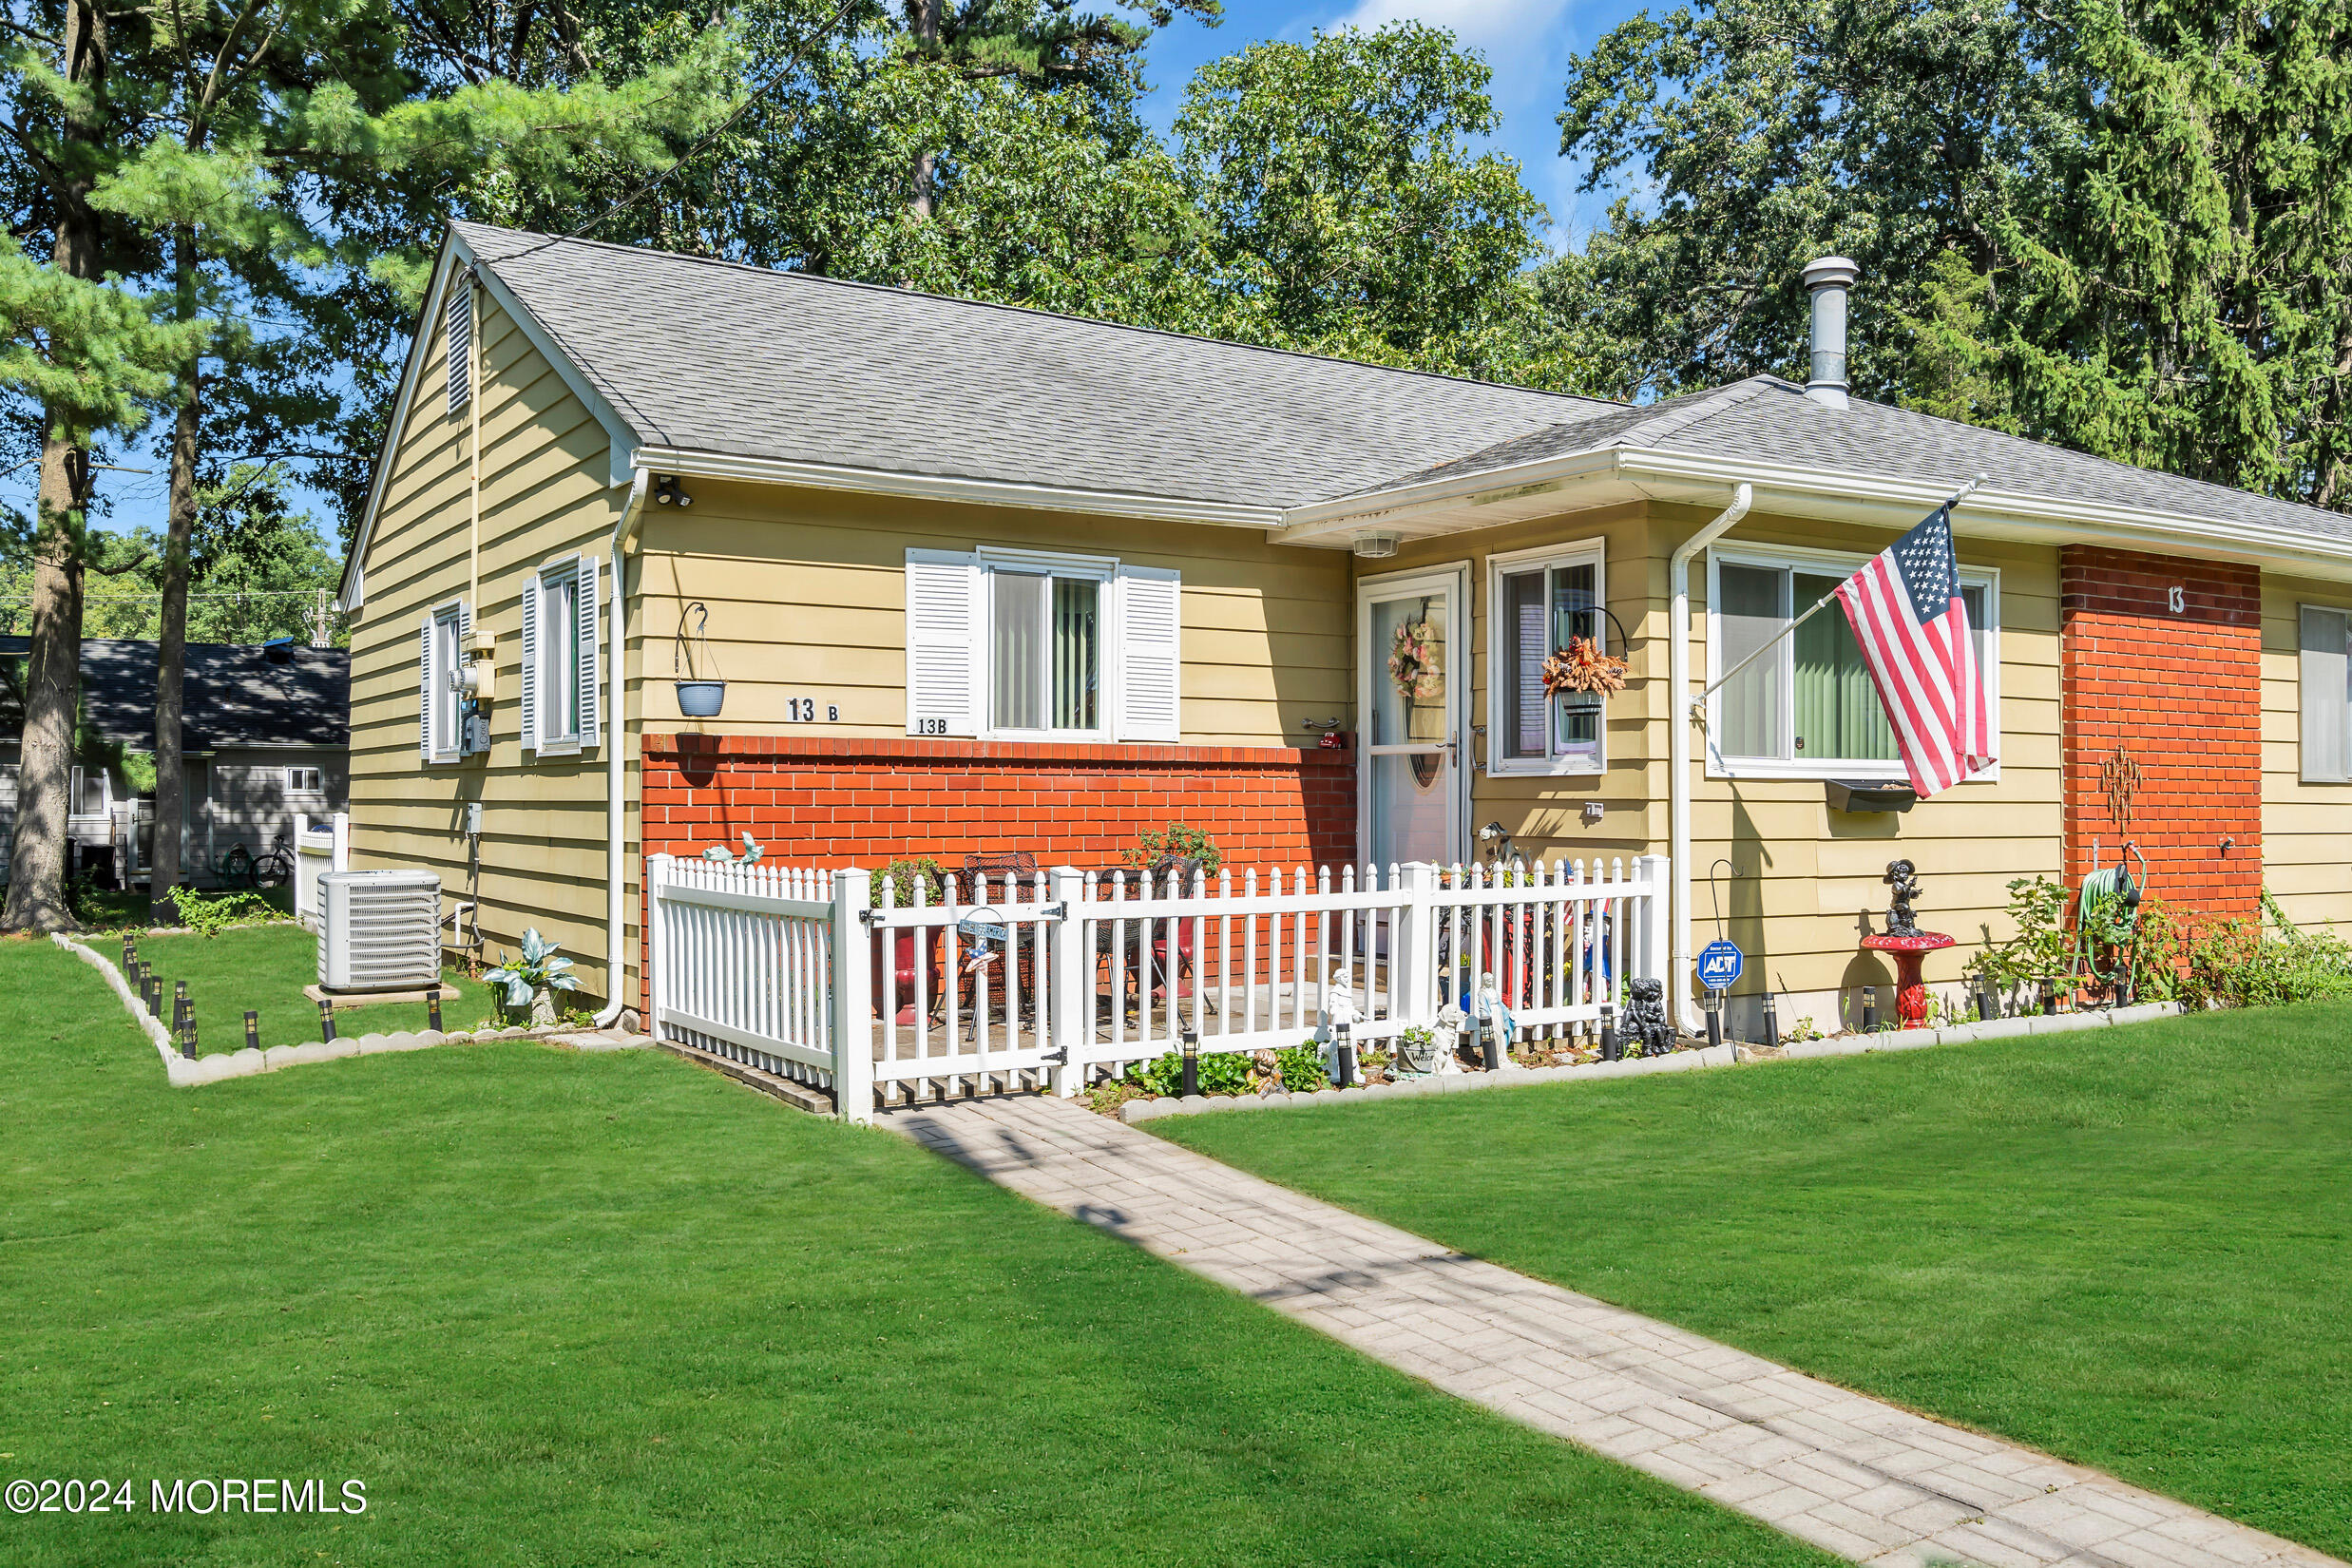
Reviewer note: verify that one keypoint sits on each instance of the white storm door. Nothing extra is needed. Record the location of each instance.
(1414, 698)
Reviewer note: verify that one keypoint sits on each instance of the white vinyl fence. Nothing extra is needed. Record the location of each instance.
(321, 844)
(1062, 977)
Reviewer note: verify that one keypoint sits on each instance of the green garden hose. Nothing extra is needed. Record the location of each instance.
(2103, 888)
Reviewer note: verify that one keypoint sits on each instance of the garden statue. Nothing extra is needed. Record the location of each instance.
(1903, 877)
(1904, 939)
(1446, 1040)
(1489, 1008)
(1645, 1024)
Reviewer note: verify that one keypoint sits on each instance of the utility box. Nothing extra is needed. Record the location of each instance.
(379, 930)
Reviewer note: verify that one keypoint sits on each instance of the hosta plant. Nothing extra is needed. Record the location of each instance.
(532, 979)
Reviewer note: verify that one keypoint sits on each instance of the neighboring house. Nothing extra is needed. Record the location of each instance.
(265, 734)
(980, 578)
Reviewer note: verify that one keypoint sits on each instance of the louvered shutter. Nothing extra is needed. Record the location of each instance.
(424, 691)
(458, 341)
(529, 683)
(1150, 649)
(942, 643)
(590, 727)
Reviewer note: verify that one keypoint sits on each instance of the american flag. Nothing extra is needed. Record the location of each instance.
(1907, 614)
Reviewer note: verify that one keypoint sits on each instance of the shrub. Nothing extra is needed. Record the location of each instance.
(1177, 841)
(2244, 963)
(1301, 1067)
(902, 876)
(210, 916)
(1221, 1072)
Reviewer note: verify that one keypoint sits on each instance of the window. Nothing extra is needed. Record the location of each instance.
(2326, 678)
(306, 781)
(439, 716)
(559, 657)
(1020, 645)
(1808, 708)
(1538, 602)
(1044, 651)
(89, 790)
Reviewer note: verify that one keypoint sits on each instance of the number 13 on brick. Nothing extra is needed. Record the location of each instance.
(1719, 964)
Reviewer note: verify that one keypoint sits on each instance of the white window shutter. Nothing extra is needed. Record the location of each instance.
(424, 690)
(459, 342)
(590, 729)
(529, 682)
(1150, 654)
(2326, 696)
(944, 643)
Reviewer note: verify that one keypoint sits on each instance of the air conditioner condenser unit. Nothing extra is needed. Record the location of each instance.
(379, 930)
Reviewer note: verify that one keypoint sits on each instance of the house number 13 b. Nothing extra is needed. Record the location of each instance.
(802, 710)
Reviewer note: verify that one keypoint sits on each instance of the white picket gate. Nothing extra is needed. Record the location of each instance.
(1059, 978)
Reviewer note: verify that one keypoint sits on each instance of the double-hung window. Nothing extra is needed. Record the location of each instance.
(1540, 601)
(439, 708)
(560, 648)
(2326, 678)
(1808, 708)
(1022, 645)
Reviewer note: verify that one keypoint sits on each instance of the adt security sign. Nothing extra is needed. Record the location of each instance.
(1718, 966)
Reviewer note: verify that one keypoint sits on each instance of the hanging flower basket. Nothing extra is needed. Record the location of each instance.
(1416, 656)
(701, 691)
(1583, 667)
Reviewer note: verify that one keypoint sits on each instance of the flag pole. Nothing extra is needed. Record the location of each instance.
(1698, 703)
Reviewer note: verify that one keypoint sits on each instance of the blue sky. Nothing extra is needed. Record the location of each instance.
(1527, 42)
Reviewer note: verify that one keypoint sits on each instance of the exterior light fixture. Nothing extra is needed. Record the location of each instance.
(1373, 546)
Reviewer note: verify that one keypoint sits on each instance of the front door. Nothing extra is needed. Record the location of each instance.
(1413, 694)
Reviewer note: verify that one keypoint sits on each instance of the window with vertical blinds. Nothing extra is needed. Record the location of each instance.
(1539, 604)
(2325, 680)
(1809, 706)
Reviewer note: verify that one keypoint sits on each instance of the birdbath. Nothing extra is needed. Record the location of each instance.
(1903, 938)
(1910, 991)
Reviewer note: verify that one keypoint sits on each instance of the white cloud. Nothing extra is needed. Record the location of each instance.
(1504, 28)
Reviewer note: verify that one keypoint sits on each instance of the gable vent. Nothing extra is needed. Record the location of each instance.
(460, 336)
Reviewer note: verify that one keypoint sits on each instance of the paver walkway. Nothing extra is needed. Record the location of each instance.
(1862, 1479)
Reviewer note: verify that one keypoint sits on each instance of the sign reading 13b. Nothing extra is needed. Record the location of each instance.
(1719, 965)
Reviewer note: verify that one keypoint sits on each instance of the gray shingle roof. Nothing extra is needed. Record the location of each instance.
(1773, 421)
(745, 361)
(714, 357)
(234, 694)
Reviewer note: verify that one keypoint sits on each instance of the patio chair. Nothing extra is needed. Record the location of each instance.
(1022, 866)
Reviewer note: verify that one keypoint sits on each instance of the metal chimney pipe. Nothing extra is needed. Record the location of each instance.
(1827, 279)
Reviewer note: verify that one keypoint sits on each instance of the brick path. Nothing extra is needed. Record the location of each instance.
(1862, 1478)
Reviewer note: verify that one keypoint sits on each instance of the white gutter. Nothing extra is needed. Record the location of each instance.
(1678, 724)
(616, 768)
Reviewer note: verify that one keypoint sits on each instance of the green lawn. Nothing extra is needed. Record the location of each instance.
(264, 967)
(561, 1309)
(2132, 1248)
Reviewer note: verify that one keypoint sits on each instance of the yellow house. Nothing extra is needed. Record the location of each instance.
(663, 552)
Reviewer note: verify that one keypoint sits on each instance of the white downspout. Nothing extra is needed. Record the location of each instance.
(616, 768)
(1678, 725)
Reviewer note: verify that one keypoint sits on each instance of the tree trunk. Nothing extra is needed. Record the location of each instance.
(924, 20)
(53, 699)
(171, 647)
(37, 850)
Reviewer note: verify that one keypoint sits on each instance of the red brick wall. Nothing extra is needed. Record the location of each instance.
(865, 802)
(2181, 691)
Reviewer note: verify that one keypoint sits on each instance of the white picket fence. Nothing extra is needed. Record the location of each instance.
(1063, 977)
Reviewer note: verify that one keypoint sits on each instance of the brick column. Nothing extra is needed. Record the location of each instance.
(2161, 657)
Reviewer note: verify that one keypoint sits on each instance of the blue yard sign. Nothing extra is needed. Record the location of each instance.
(1719, 966)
